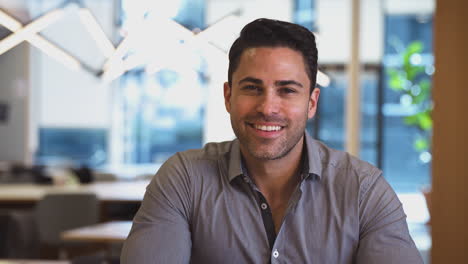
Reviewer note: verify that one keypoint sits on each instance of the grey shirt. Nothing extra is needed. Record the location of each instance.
(201, 208)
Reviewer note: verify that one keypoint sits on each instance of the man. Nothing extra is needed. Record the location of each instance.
(273, 195)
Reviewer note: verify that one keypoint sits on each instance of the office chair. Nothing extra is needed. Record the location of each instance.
(56, 213)
(18, 234)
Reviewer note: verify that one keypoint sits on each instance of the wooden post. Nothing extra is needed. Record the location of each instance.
(450, 143)
(353, 94)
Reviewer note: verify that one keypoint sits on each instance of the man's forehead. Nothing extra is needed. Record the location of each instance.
(272, 50)
(250, 52)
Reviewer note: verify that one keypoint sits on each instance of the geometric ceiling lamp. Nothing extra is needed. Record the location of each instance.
(205, 38)
(29, 33)
(96, 32)
(116, 65)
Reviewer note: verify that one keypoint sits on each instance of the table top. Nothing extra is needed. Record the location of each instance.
(114, 231)
(117, 191)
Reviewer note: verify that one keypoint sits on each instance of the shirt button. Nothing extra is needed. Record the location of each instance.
(264, 206)
(275, 253)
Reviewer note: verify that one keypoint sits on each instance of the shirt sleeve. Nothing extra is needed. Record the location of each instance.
(161, 229)
(384, 237)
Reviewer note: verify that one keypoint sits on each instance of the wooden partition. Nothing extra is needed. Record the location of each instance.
(450, 140)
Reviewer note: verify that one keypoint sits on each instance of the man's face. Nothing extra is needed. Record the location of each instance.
(269, 101)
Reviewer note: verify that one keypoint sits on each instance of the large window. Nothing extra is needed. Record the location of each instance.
(161, 114)
(329, 123)
(162, 110)
(72, 146)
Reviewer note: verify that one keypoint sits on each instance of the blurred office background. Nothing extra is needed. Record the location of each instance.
(123, 103)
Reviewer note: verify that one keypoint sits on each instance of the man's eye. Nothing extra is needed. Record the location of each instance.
(288, 90)
(251, 88)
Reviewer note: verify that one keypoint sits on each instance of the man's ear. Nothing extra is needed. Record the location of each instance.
(313, 102)
(227, 97)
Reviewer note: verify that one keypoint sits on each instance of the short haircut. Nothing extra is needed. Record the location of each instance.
(264, 32)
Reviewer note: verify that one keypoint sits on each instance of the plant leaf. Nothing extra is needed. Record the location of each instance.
(411, 120)
(421, 144)
(396, 80)
(425, 121)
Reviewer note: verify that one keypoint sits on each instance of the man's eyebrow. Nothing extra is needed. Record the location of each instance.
(287, 82)
(277, 83)
(251, 79)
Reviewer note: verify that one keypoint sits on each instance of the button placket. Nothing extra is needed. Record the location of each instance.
(267, 219)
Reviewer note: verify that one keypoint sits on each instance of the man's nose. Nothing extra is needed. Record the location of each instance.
(268, 104)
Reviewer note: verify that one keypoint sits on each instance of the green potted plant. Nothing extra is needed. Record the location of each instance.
(412, 80)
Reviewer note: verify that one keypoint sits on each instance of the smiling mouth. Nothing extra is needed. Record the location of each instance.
(266, 128)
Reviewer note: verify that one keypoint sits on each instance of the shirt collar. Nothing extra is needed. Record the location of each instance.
(313, 156)
(313, 163)
(235, 163)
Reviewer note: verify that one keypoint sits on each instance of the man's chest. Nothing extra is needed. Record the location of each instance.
(230, 227)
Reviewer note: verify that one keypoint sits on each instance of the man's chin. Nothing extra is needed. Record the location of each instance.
(266, 154)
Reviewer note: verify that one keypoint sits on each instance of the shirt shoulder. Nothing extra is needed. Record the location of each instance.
(194, 164)
(341, 160)
(211, 151)
(185, 172)
(343, 167)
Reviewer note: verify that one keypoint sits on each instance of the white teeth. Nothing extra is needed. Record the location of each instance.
(268, 128)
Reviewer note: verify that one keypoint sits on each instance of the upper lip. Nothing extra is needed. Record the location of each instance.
(266, 124)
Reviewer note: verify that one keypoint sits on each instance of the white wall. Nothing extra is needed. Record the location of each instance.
(14, 91)
(70, 98)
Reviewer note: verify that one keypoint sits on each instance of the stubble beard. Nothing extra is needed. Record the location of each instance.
(261, 148)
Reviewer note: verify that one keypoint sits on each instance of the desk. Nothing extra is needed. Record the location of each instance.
(108, 232)
(109, 192)
(120, 194)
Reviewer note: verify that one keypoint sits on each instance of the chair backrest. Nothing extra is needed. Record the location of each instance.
(59, 212)
(18, 234)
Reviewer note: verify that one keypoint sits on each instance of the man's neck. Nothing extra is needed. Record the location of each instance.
(276, 178)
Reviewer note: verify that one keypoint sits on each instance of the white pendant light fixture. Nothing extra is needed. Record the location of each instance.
(96, 32)
(116, 65)
(30, 32)
(39, 42)
(27, 31)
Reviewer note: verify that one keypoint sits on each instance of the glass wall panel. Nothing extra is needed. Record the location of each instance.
(331, 124)
(408, 67)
